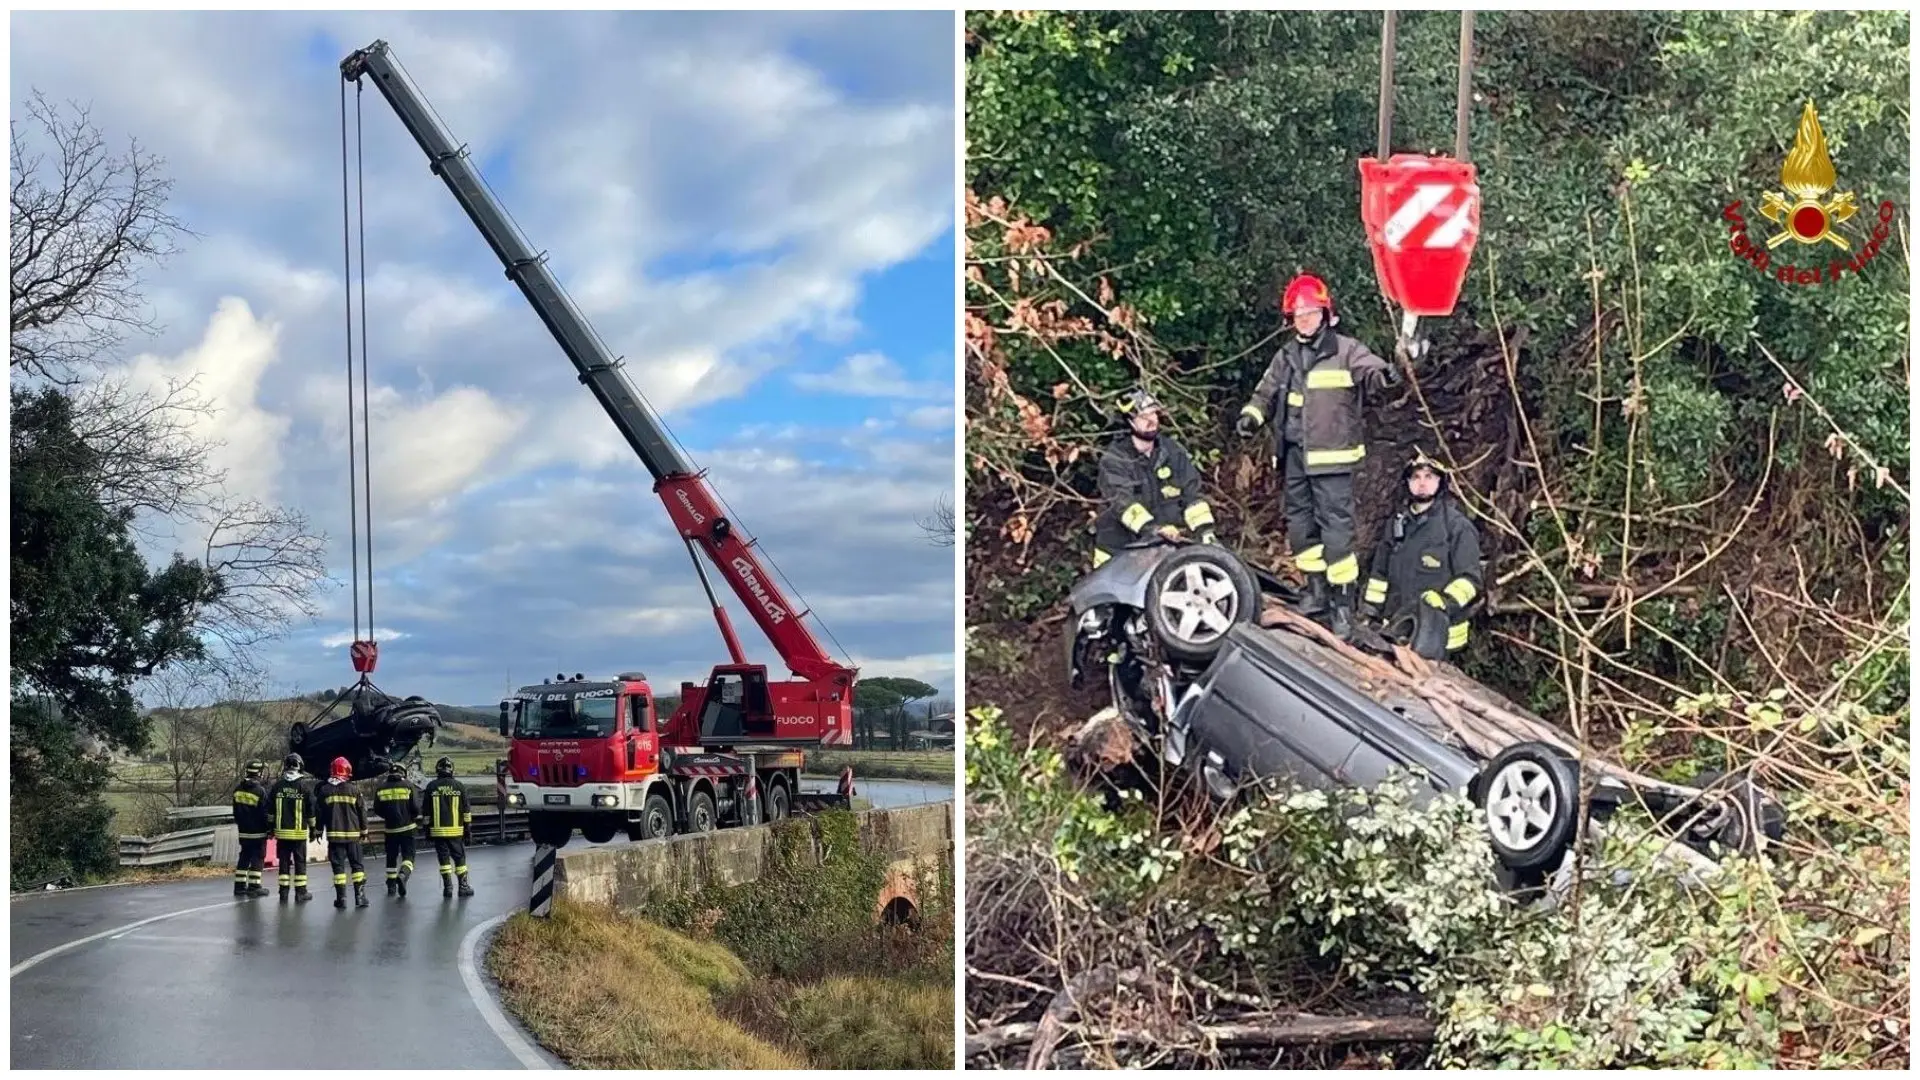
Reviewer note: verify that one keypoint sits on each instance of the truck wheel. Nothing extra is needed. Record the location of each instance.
(656, 819)
(777, 802)
(545, 830)
(600, 831)
(1529, 799)
(1198, 594)
(700, 815)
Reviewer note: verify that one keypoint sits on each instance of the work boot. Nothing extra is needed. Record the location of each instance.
(393, 886)
(340, 896)
(446, 885)
(1340, 621)
(256, 890)
(1315, 602)
(301, 895)
(239, 888)
(1370, 640)
(359, 895)
(465, 889)
(284, 891)
(402, 881)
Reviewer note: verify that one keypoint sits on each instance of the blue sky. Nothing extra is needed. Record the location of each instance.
(755, 210)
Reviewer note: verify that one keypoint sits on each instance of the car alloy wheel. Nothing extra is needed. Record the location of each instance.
(1520, 805)
(1199, 603)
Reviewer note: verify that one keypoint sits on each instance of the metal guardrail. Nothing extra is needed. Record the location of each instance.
(175, 847)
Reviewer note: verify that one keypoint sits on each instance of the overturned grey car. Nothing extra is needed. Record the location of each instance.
(1211, 692)
(376, 731)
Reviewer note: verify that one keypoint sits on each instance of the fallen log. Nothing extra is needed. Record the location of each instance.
(1301, 1029)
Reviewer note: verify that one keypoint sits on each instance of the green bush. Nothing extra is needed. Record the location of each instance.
(1800, 958)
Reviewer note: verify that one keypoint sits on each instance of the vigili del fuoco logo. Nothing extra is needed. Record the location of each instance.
(1808, 217)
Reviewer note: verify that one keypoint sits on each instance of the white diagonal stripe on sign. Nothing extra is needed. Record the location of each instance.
(1413, 211)
(1450, 234)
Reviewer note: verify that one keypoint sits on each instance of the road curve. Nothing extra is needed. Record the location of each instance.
(252, 984)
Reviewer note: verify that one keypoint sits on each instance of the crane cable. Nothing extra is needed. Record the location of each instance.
(1461, 110)
(359, 465)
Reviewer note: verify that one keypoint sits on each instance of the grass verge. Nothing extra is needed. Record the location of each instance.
(606, 991)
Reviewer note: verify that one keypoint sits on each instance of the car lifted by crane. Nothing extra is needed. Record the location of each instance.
(594, 755)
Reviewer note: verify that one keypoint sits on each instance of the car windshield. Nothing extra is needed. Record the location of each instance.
(562, 717)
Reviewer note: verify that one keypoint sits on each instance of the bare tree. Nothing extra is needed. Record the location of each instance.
(939, 526)
(149, 460)
(86, 223)
(82, 227)
(270, 566)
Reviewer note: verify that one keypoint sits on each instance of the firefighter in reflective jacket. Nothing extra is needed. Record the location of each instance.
(250, 822)
(1148, 485)
(447, 815)
(343, 820)
(1425, 572)
(1312, 391)
(398, 804)
(295, 819)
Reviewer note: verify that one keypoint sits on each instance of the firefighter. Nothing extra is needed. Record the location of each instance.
(1425, 571)
(447, 816)
(1312, 390)
(250, 822)
(398, 804)
(343, 820)
(1148, 485)
(295, 817)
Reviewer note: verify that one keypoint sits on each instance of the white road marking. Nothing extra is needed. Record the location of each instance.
(115, 932)
(503, 1028)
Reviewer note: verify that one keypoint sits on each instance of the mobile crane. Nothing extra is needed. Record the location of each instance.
(594, 754)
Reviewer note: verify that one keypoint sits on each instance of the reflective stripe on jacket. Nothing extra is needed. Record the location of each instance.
(293, 808)
(447, 809)
(343, 810)
(398, 804)
(1431, 558)
(1140, 493)
(1312, 391)
(250, 810)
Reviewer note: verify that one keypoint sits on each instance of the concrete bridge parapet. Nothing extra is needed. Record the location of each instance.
(917, 837)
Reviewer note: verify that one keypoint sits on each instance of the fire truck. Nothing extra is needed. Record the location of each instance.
(595, 755)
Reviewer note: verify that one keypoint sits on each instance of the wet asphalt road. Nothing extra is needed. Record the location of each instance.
(252, 984)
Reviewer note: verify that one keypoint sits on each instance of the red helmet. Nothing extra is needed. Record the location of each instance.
(342, 768)
(1306, 291)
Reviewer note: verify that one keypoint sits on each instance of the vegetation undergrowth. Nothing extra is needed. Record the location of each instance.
(795, 963)
(1324, 902)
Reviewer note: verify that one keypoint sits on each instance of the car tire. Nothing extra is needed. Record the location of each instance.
(1529, 798)
(1196, 596)
(600, 832)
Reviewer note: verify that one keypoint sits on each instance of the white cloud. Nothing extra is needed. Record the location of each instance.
(931, 418)
(869, 374)
(226, 369)
(721, 220)
(345, 638)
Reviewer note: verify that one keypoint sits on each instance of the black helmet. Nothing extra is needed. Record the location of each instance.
(293, 761)
(255, 768)
(1420, 460)
(1139, 401)
(443, 767)
(396, 768)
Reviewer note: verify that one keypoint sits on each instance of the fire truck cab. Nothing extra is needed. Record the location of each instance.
(596, 756)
